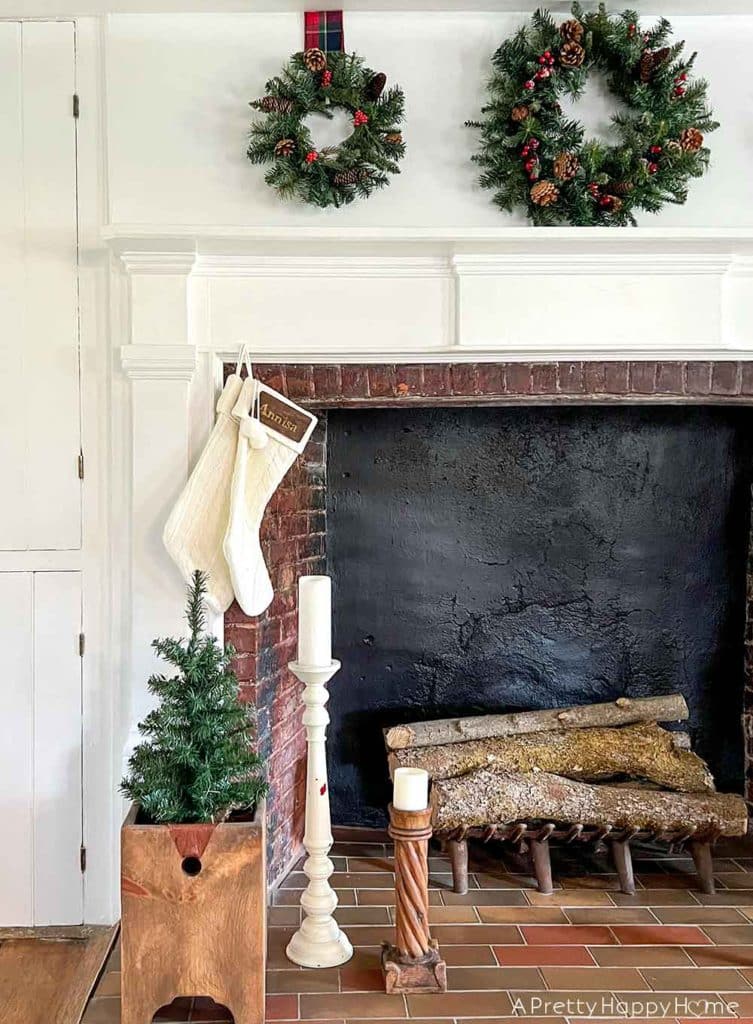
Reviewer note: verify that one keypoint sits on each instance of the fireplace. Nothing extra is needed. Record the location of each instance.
(580, 614)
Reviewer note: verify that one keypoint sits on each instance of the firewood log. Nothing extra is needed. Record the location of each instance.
(483, 798)
(641, 751)
(623, 711)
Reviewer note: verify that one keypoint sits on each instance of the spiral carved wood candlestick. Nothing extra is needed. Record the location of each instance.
(413, 964)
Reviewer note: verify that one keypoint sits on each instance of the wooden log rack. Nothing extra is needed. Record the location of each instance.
(534, 838)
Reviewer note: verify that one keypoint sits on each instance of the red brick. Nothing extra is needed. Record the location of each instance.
(491, 378)
(355, 382)
(300, 380)
(409, 380)
(595, 378)
(436, 380)
(669, 378)
(245, 639)
(643, 378)
(570, 378)
(725, 379)
(697, 378)
(544, 379)
(310, 547)
(382, 381)
(244, 666)
(616, 378)
(327, 381)
(747, 379)
(464, 379)
(518, 377)
(235, 614)
(271, 374)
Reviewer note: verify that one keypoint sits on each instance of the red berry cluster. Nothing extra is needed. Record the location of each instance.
(606, 202)
(311, 156)
(654, 153)
(631, 29)
(679, 89)
(359, 118)
(546, 60)
(326, 78)
(530, 157)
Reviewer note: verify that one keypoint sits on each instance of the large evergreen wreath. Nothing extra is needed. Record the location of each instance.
(313, 82)
(534, 156)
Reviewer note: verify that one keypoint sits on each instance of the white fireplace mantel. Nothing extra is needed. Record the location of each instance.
(400, 295)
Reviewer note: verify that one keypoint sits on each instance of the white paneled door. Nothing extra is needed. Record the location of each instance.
(40, 491)
(40, 748)
(39, 364)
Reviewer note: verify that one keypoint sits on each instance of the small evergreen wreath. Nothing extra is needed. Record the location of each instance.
(532, 155)
(314, 82)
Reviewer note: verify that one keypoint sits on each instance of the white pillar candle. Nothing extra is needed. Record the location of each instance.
(315, 621)
(411, 792)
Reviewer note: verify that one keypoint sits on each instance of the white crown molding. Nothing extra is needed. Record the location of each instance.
(158, 362)
(365, 267)
(593, 263)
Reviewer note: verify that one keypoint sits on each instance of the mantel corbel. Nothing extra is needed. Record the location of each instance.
(158, 362)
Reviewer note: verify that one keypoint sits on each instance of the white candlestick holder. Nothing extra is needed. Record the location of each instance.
(319, 941)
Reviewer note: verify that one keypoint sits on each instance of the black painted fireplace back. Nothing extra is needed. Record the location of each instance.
(490, 559)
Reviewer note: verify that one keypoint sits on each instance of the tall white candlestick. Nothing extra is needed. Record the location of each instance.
(315, 621)
(411, 791)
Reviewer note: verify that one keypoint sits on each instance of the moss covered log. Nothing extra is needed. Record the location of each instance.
(641, 751)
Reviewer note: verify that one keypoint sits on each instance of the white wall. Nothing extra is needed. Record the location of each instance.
(178, 88)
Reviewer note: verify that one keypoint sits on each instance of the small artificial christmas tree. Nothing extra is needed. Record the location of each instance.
(197, 763)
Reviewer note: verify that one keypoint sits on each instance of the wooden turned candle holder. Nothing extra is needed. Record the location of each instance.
(413, 964)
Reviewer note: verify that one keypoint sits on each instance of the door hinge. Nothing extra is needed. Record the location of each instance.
(76, 104)
(81, 465)
(81, 644)
(82, 858)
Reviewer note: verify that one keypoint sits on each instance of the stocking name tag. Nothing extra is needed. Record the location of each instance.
(282, 417)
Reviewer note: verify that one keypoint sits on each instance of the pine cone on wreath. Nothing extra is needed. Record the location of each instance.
(274, 105)
(615, 204)
(650, 61)
(620, 188)
(691, 140)
(375, 87)
(572, 55)
(544, 193)
(285, 147)
(315, 59)
(519, 113)
(350, 177)
(571, 31)
(394, 138)
(566, 166)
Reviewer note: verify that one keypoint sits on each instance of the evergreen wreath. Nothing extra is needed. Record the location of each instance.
(532, 155)
(197, 762)
(315, 82)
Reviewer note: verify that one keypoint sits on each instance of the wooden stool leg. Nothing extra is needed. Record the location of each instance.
(542, 866)
(457, 850)
(623, 863)
(704, 865)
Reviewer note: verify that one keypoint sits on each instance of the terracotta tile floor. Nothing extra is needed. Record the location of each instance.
(587, 951)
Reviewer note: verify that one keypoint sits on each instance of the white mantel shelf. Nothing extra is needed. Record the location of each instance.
(331, 294)
(64, 8)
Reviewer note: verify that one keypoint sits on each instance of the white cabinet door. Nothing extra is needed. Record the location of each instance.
(39, 365)
(40, 748)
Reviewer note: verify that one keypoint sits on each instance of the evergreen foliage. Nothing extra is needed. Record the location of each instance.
(337, 175)
(659, 145)
(197, 763)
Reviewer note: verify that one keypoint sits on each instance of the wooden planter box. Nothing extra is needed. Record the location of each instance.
(193, 916)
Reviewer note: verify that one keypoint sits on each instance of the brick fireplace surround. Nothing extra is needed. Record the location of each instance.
(294, 526)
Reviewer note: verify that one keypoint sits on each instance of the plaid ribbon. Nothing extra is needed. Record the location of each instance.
(324, 29)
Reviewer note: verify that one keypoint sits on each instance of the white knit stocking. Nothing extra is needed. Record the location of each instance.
(261, 461)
